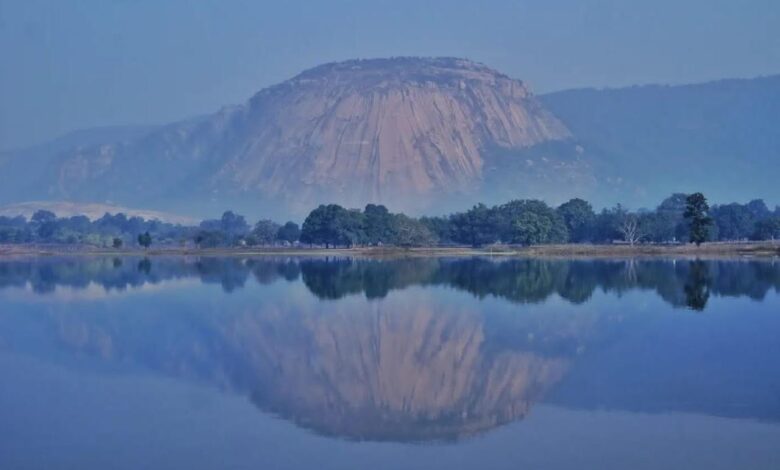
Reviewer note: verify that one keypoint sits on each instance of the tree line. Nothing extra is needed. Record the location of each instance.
(680, 218)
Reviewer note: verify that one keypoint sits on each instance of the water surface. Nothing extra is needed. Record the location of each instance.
(406, 363)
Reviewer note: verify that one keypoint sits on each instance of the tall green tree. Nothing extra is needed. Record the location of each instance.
(529, 228)
(475, 227)
(767, 229)
(379, 224)
(333, 225)
(530, 221)
(264, 232)
(145, 239)
(315, 229)
(289, 232)
(579, 218)
(45, 224)
(668, 224)
(697, 214)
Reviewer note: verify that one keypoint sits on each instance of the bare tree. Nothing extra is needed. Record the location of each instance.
(629, 228)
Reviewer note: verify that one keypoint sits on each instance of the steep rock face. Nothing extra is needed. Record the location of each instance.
(405, 132)
(372, 129)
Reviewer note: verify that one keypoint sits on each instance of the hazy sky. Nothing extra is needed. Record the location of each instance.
(69, 64)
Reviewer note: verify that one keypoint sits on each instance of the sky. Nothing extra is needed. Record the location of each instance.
(73, 64)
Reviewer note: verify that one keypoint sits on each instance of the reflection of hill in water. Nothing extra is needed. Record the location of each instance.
(399, 372)
(681, 282)
(403, 369)
(411, 367)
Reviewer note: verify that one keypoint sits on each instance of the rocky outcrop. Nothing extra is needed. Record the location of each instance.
(406, 132)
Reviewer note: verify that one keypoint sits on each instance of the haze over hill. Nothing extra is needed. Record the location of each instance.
(713, 137)
(421, 135)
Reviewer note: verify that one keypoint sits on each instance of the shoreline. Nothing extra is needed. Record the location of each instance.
(709, 250)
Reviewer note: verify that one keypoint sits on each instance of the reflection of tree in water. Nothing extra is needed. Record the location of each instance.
(411, 367)
(681, 283)
(145, 266)
(334, 278)
(697, 286)
(230, 273)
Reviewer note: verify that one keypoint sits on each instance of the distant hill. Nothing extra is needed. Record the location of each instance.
(92, 210)
(23, 172)
(722, 138)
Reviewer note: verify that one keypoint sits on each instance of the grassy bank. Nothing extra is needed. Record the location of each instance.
(762, 249)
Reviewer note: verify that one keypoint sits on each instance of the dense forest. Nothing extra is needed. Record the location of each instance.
(680, 218)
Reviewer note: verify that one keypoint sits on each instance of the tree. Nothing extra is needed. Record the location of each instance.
(696, 212)
(410, 232)
(209, 238)
(14, 230)
(333, 225)
(767, 229)
(737, 221)
(44, 224)
(348, 226)
(668, 223)
(629, 228)
(579, 218)
(116, 243)
(530, 221)
(607, 223)
(42, 216)
(264, 232)
(475, 227)
(758, 209)
(46, 230)
(145, 239)
(529, 228)
(233, 224)
(315, 227)
(379, 224)
(440, 227)
(627, 225)
(289, 232)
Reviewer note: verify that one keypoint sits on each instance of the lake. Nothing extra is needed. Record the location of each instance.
(413, 363)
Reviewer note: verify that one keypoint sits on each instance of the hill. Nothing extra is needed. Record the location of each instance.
(411, 133)
(421, 135)
(721, 138)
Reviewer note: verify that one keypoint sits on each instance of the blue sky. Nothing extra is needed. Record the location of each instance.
(70, 64)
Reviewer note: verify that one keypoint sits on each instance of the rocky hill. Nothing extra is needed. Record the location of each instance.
(420, 135)
(409, 132)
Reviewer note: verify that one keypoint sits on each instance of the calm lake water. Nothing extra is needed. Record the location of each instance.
(129, 363)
